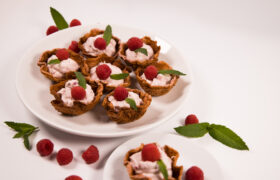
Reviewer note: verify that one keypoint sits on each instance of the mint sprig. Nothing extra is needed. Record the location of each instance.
(162, 169)
(131, 102)
(23, 130)
(171, 71)
(54, 61)
(58, 19)
(220, 133)
(107, 36)
(142, 50)
(81, 79)
(119, 76)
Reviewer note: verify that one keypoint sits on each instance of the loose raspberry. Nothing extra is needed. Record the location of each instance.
(51, 29)
(103, 71)
(150, 152)
(120, 93)
(91, 155)
(191, 119)
(100, 43)
(74, 46)
(73, 177)
(75, 22)
(194, 173)
(64, 156)
(151, 72)
(78, 93)
(62, 54)
(134, 43)
(44, 147)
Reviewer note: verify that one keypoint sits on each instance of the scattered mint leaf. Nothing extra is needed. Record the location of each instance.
(81, 79)
(227, 137)
(18, 135)
(54, 61)
(193, 130)
(170, 71)
(163, 169)
(119, 76)
(58, 19)
(142, 50)
(131, 102)
(107, 36)
(26, 142)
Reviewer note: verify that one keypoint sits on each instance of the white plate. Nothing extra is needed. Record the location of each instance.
(33, 88)
(190, 154)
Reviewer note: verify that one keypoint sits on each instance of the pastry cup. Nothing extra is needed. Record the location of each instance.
(92, 33)
(177, 171)
(78, 107)
(147, 40)
(42, 63)
(92, 62)
(126, 115)
(156, 90)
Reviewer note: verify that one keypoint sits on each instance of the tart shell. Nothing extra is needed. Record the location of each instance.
(156, 90)
(177, 171)
(126, 115)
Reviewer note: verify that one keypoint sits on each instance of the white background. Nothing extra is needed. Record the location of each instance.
(234, 51)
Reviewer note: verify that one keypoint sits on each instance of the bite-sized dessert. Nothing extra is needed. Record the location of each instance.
(156, 79)
(142, 163)
(75, 97)
(60, 64)
(110, 73)
(124, 105)
(98, 42)
(139, 52)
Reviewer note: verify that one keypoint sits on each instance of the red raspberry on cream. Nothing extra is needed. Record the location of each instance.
(74, 46)
(51, 29)
(91, 155)
(120, 93)
(134, 43)
(194, 173)
(151, 72)
(100, 43)
(78, 93)
(44, 147)
(75, 22)
(64, 156)
(62, 54)
(150, 152)
(103, 71)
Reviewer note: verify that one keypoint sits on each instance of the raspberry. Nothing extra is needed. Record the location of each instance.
(120, 93)
(62, 54)
(151, 72)
(194, 173)
(150, 152)
(64, 156)
(91, 155)
(191, 119)
(73, 177)
(100, 43)
(134, 43)
(78, 93)
(74, 46)
(51, 29)
(44, 147)
(75, 22)
(103, 71)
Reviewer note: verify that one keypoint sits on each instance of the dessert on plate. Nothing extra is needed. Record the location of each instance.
(75, 96)
(124, 105)
(142, 162)
(60, 64)
(154, 82)
(139, 52)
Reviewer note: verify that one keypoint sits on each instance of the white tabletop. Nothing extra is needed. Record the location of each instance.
(233, 49)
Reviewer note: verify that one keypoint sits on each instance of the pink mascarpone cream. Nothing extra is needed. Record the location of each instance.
(65, 66)
(148, 168)
(110, 49)
(66, 96)
(124, 104)
(160, 80)
(138, 56)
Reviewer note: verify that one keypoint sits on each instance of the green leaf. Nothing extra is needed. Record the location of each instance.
(193, 130)
(227, 137)
(26, 142)
(81, 79)
(119, 76)
(131, 102)
(18, 135)
(58, 19)
(142, 50)
(107, 36)
(171, 71)
(54, 61)
(163, 169)
(20, 127)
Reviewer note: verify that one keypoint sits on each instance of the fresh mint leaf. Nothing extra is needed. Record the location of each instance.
(18, 135)
(193, 130)
(26, 142)
(142, 50)
(107, 36)
(227, 137)
(162, 169)
(81, 79)
(131, 102)
(119, 76)
(58, 19)
(170, 71)
(54, 61)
